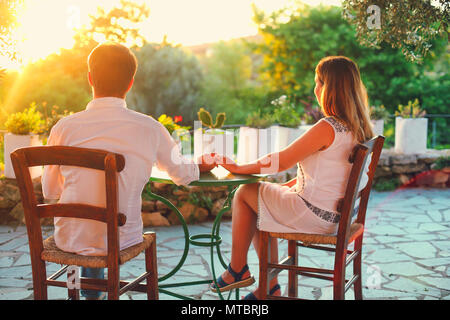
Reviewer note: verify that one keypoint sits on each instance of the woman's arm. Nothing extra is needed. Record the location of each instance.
(319, 137)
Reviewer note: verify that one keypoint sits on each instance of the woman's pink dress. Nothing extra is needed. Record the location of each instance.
(310, 205)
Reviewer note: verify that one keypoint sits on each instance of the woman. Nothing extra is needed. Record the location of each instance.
(306, 204)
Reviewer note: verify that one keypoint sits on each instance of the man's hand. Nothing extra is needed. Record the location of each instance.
(206, 162)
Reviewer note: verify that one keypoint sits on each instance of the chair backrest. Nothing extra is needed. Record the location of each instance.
(353, 194)
(111, 163)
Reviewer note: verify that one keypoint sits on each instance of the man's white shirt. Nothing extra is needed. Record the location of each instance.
(108, 124)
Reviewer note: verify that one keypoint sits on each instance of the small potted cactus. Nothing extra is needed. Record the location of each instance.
(213, 139)
(410, 129)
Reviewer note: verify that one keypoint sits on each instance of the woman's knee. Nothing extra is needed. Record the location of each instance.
(247, 193)
(244, 190)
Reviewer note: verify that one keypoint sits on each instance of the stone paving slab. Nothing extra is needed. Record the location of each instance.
(406, 254)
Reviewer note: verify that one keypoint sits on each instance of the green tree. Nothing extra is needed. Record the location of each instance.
(230, 65)
(292, 49)
(8, 22)
(167, 81)
(229, 84)
(295, 41)
(410, 25)
(120, 24)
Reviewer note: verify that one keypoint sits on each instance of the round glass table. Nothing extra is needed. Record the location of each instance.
(215, 178)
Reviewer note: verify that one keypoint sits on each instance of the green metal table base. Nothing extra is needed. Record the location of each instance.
(212, 240)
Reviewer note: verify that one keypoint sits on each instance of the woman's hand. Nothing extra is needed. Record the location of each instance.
(206, 162)
(227, 163)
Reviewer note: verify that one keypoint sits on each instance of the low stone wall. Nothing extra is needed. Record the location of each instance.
(198, 204)
(412, 170)
(11, 209)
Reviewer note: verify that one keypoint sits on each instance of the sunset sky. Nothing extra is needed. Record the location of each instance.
(48, 25)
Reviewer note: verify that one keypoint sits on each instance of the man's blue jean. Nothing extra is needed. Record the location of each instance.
(97, 273)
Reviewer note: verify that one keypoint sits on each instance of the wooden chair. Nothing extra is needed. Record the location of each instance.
(42, 251)
(347, 233)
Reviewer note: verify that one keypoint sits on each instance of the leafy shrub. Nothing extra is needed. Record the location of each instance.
(285, 114)
(52, 119)
(26, 122)
(386, 184)
(167, 81)
(441, 163)
(256, 120)
(170, 124)
(2, 150)
(379, 113)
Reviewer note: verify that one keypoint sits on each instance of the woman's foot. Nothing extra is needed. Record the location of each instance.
(231, 279)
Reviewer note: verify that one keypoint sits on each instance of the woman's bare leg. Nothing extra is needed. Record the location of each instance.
(244, 231)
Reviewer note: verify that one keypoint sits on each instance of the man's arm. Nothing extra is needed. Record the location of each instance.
(169, 158)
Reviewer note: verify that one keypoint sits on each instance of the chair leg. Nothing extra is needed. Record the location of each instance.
(263, 261)
(357, 269)
(152, 270)
(339, 274)
(39, 278)
(293, 278)
(74, 294)
(113, 282)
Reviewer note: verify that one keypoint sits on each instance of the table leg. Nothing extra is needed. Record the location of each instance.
(214, 242)
(186, 235)
(195, 240)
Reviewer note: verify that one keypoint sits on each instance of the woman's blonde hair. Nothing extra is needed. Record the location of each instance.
(344, 96)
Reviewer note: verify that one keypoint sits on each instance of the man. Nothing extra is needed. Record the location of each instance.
(108, 124)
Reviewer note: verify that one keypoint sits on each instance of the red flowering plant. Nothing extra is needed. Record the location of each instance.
(171, 124)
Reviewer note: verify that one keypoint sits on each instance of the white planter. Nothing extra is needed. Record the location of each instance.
(304, 127)
(285, 136)
(378, 127)
(411, 135)
(213, 141)
(13, 142)
(254, 143)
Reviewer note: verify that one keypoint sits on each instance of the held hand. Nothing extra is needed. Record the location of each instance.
(206, 162)
(227, 163)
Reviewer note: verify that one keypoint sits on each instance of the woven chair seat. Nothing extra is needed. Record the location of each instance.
(52, 253)
(356, 229)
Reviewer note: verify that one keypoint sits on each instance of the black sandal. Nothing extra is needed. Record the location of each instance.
(238, 281)
(251, 295)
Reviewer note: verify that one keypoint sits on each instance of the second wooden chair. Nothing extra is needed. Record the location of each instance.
(348, 232)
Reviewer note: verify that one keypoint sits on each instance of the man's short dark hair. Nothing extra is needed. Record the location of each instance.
(112, 67)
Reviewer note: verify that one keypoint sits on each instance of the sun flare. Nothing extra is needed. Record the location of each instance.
(46, 26)
(43, 29)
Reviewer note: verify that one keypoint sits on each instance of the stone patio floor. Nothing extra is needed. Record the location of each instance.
(406, 254)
